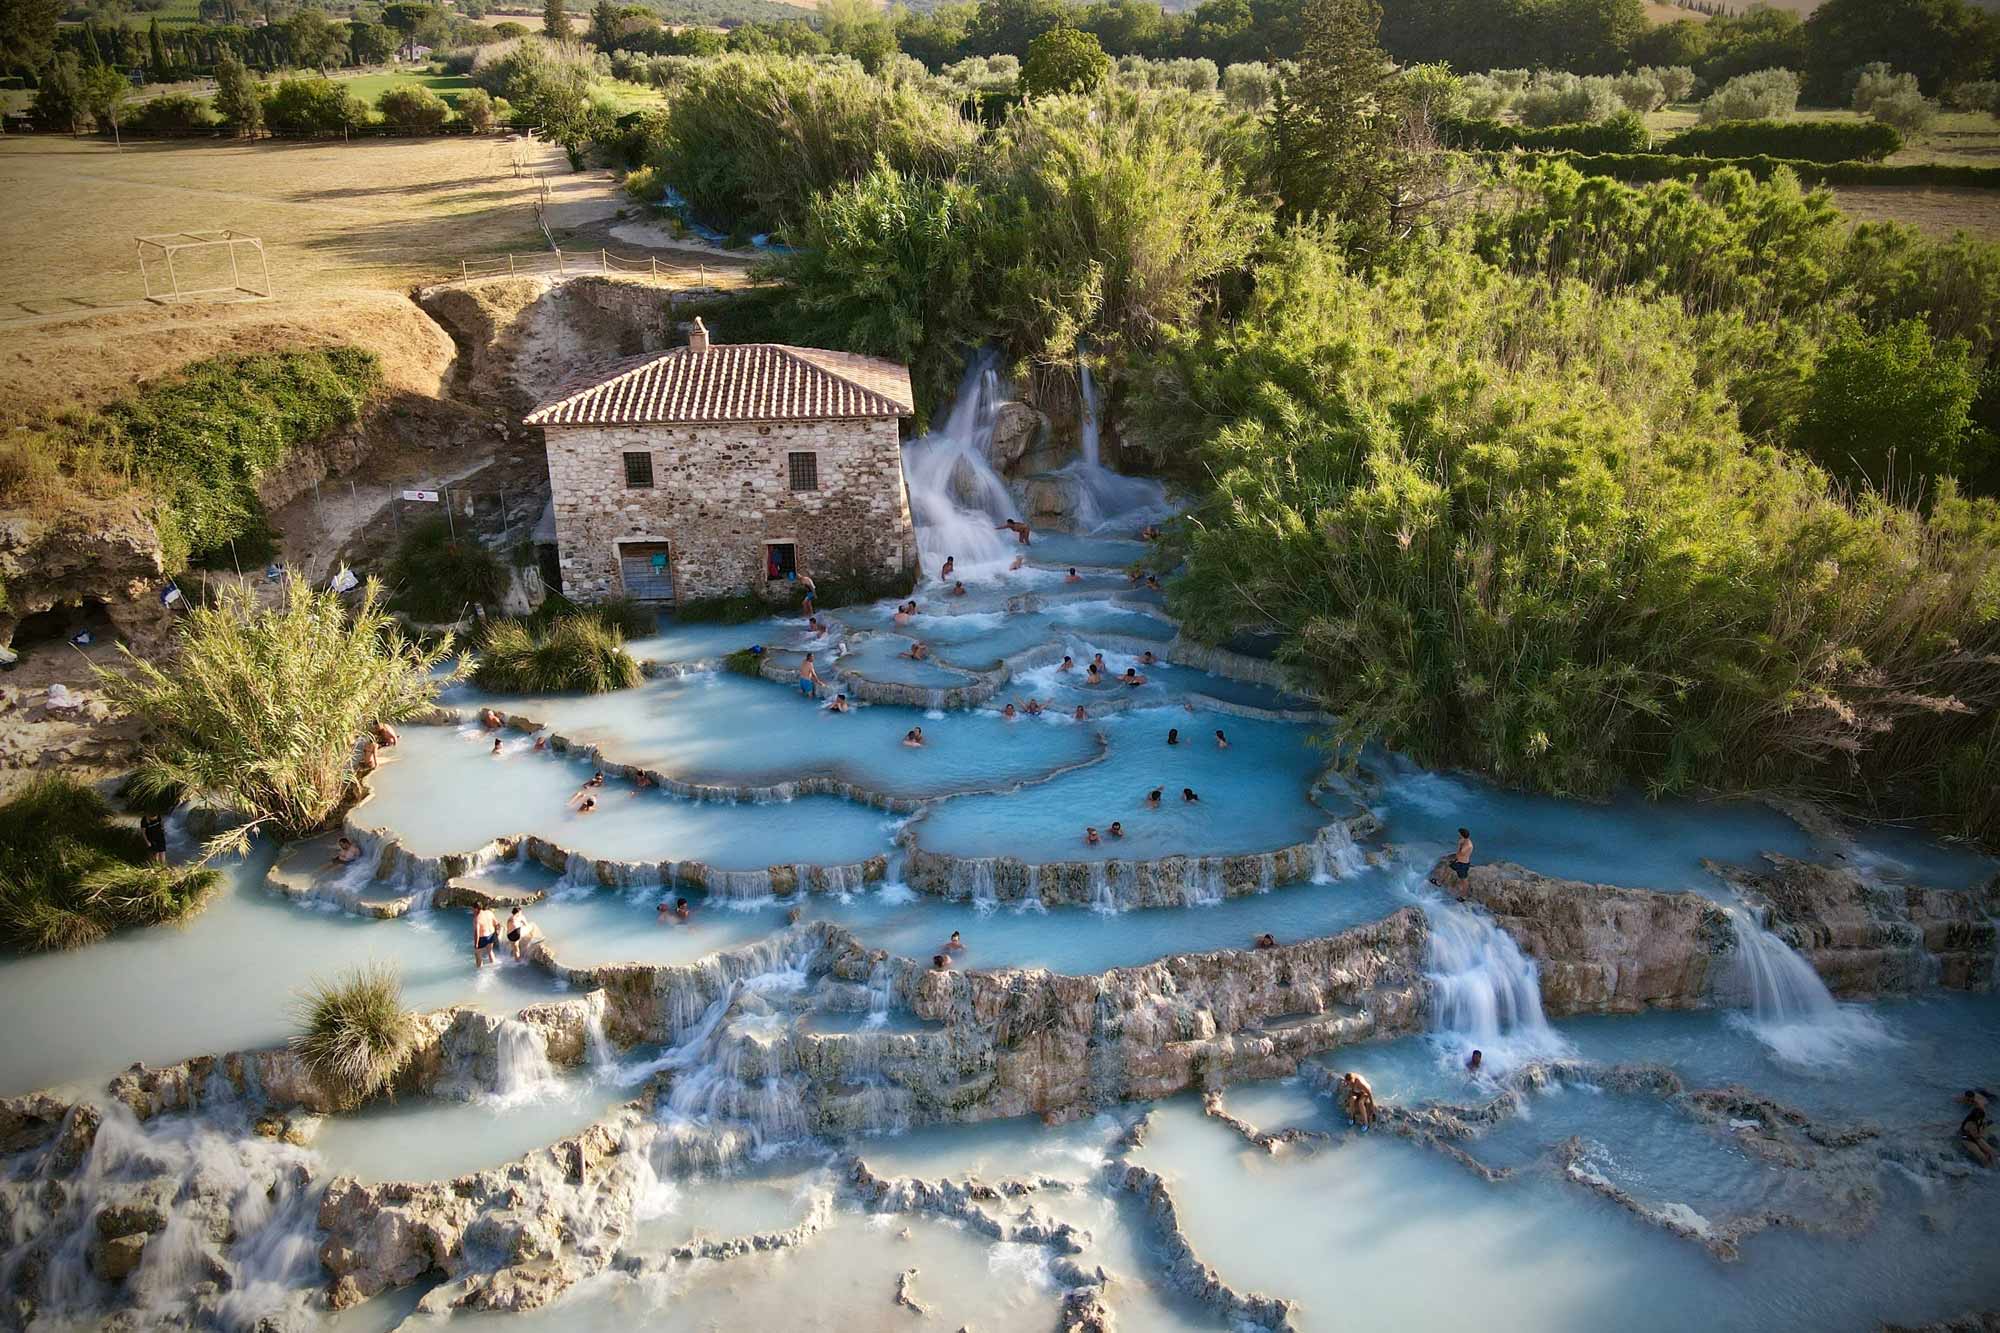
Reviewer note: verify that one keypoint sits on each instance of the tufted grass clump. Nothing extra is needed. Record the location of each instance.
(71, 874)
(574, 653)
(354, 1034)
(437, 575)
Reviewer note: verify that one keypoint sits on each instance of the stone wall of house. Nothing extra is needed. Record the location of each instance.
(720, 493)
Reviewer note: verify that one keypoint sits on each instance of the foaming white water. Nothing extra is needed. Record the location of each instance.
(1335, 855)
(956, 498)
(1790, 1009)
(522, 1072)
(1486, 994)
(1103, 497)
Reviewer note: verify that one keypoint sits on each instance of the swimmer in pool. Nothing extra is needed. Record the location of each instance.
(1173, 735)
(682, 913)
(496, 745)
(837, 704)
(589, 804)
(1068, 663)
(914, 738)
(1267, 941)
(1034, 708)
(916, 652)
(1093, 674)
(950, 563)
(1221, 741)
(1072, 576)
(1117, 830)
(958, 590)
(954, 944)
(1975, 1131)
(1188, 796)
(904, 612)
(1153, 799)
(1017, 562)
(1146, 658)
(1090, 838)
(1008, 712)
(1133, 678)
(1474, 1061)
(1079, 715)
(1097, 660)
(595, 781)
(541, 742)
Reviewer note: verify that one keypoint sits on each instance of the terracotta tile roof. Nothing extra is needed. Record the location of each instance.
(729, 382)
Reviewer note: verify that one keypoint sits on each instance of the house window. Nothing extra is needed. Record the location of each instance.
(781, 561)
(638, 472)
(805, 472)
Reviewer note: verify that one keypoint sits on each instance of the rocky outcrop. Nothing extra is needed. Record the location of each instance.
(1602, 949)
(106, 551)
(1185, 1269)
(1867, 939)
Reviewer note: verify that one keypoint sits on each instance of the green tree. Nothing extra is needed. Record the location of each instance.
(604, 25)
(475, 108)
(857, 28)
(1891, 409)
(1337, 115)
(314, 40)
(370, 43)
(60, 102)
(237, 99)
(28, 34)
(260, 709)
(1063, 60)
(1007, 26)
(105, 92)
(413, 109)
(1940, 41)
(555, 21)
(156, 52)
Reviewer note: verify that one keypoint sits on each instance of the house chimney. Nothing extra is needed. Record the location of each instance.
(698, 336)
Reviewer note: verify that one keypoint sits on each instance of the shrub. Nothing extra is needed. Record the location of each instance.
(1768, 94)
(1432, 90)
(1907, 110)
(575, 653)
(412, 109)
(1566, 99)
(1983, 95)
(750, 140)
(645, 185)
(1641, 92)
(476, 108)
(1247, 86)
(312, 104)
(1665, 166)
(1889, 410)
(1625, 132)
(1064, 60)
(259, 709)
(171, 113)
(437, 576)
(743, 662)
(1877, 81)
(1676, 81)
(354, 1035)
(70, 874)
(1806, 140)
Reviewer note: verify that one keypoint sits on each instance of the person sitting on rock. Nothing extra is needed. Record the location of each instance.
(1461, 860)
(1267, 941)
(490, 719)
(914, 738)
(1358, 1099)
(345, 853)
(1975, 1131)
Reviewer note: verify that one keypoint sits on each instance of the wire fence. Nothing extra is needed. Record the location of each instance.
(557, 260)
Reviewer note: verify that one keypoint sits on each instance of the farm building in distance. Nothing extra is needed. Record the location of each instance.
(715, 470)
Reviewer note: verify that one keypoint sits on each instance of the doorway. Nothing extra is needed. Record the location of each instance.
(646, 571)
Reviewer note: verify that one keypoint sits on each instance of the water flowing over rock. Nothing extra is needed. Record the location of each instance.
(1603, 949)
(1866, 939)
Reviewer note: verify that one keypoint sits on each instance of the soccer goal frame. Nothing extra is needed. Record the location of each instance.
(159, 251)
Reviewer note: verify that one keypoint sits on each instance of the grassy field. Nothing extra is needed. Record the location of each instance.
(368, 87)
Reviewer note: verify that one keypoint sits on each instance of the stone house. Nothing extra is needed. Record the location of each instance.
(718, 469)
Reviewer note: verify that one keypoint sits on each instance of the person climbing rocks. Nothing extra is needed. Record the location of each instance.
(1461, 860)
(1018, 528)
(520, 932)
(1358, 1099)
(485, 935)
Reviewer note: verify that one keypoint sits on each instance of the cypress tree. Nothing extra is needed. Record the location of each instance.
(156, 51)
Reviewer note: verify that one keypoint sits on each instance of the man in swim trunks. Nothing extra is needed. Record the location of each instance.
(1358, 1099)
(485, 935)
(519, 932)
(154, 830)
(1461, 860)
(809, 681)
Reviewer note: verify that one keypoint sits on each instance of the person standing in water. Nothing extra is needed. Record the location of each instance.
(950, 563)
(485, 935)
(519, 932)
(809, 681)
(154, 830)
(1461, 860)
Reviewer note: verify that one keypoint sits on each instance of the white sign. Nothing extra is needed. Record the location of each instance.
(428, 497)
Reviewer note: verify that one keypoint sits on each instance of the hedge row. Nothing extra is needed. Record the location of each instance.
(1623, 133)
(1797, 140)
(1666, 166)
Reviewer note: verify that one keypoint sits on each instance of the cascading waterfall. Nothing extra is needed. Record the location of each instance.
(1335, 855)
(1102, 496)
(957, 500)
(881, 992)
(521, 1068)
(1486, 994)
(1204, 881)
(1790, 1009)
